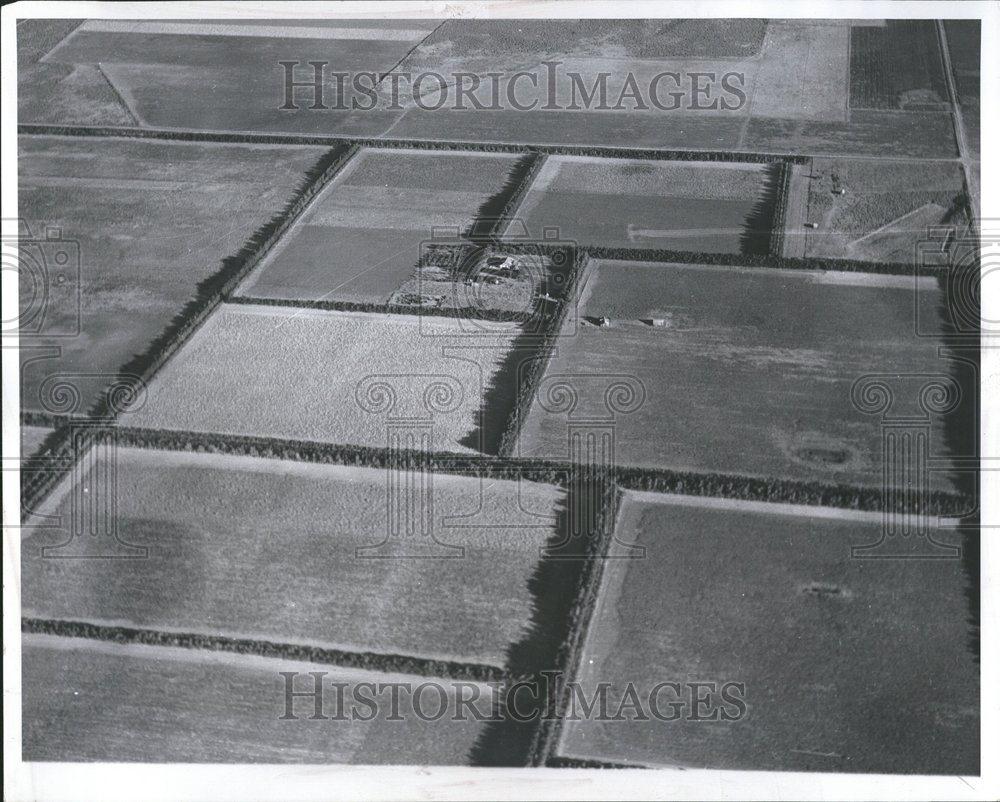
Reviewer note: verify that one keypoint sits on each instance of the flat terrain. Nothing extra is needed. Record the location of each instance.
(886, 208)
(703, 206)
(95, 701)
(844, 668)
(69, 94)
(155, 66)
(362, 237)
(307, 375)
(897, 66)
(467, 284)
(266, 549)
(918, 135)
(750, 371)
(803, 72)
(225, 76)
(149, 221)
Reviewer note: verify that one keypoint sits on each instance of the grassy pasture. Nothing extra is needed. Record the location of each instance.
(152, 219)
(803, 72)
(361, 238)
(72, 94)
(265, 549)
(295, 373)
(683, 131)
(828, 646)
(90, 701)
(886, 194)
(698, 206)
(610, 38)
(869, 133)
(751, 371)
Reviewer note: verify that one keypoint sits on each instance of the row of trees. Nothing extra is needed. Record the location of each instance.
(384, 663)
(461, 312)
(599, 151)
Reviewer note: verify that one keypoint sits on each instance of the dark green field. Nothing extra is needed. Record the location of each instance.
(897, 66)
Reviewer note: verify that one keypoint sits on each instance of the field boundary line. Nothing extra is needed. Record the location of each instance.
(410, 52)
(459, 313)
(330, 140)
(546, 471)
(958, 124)
(120, 97)
(768, 261)
(368, 661)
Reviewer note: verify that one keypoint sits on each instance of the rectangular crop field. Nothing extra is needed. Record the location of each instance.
(827, 651)
(886, 209)
(86, 701)
(803, 71)
(289, 552)
(142, 224)
(303, 374)
(749, 371)
(916, 134)
(897, 66)
(695, 206)
(361, 238)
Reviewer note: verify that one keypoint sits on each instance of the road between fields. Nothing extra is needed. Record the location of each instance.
(968, 163)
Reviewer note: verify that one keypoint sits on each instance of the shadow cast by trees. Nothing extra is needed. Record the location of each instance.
(765, 218)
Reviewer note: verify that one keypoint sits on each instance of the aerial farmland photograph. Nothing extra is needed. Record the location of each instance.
(479, 391)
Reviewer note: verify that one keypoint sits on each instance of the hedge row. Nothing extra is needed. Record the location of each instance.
(464, 313)
(530, 378)
(590, 554)
(554, 472)
(47, 419)
(135, 373)
(779, 223)
(369, 661)
(599, 151)
(763, 260)
(499, 210)
(785, 491)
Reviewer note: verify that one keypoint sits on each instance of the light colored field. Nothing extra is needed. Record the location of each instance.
(697, 206)
(603, 86)
(295, 374)
(403, 197)
(752, 370)
(803, 72)
(831, 649)
(152, 220)
(645, 178)
(93, 701)
(268, 549)
(264, 31)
